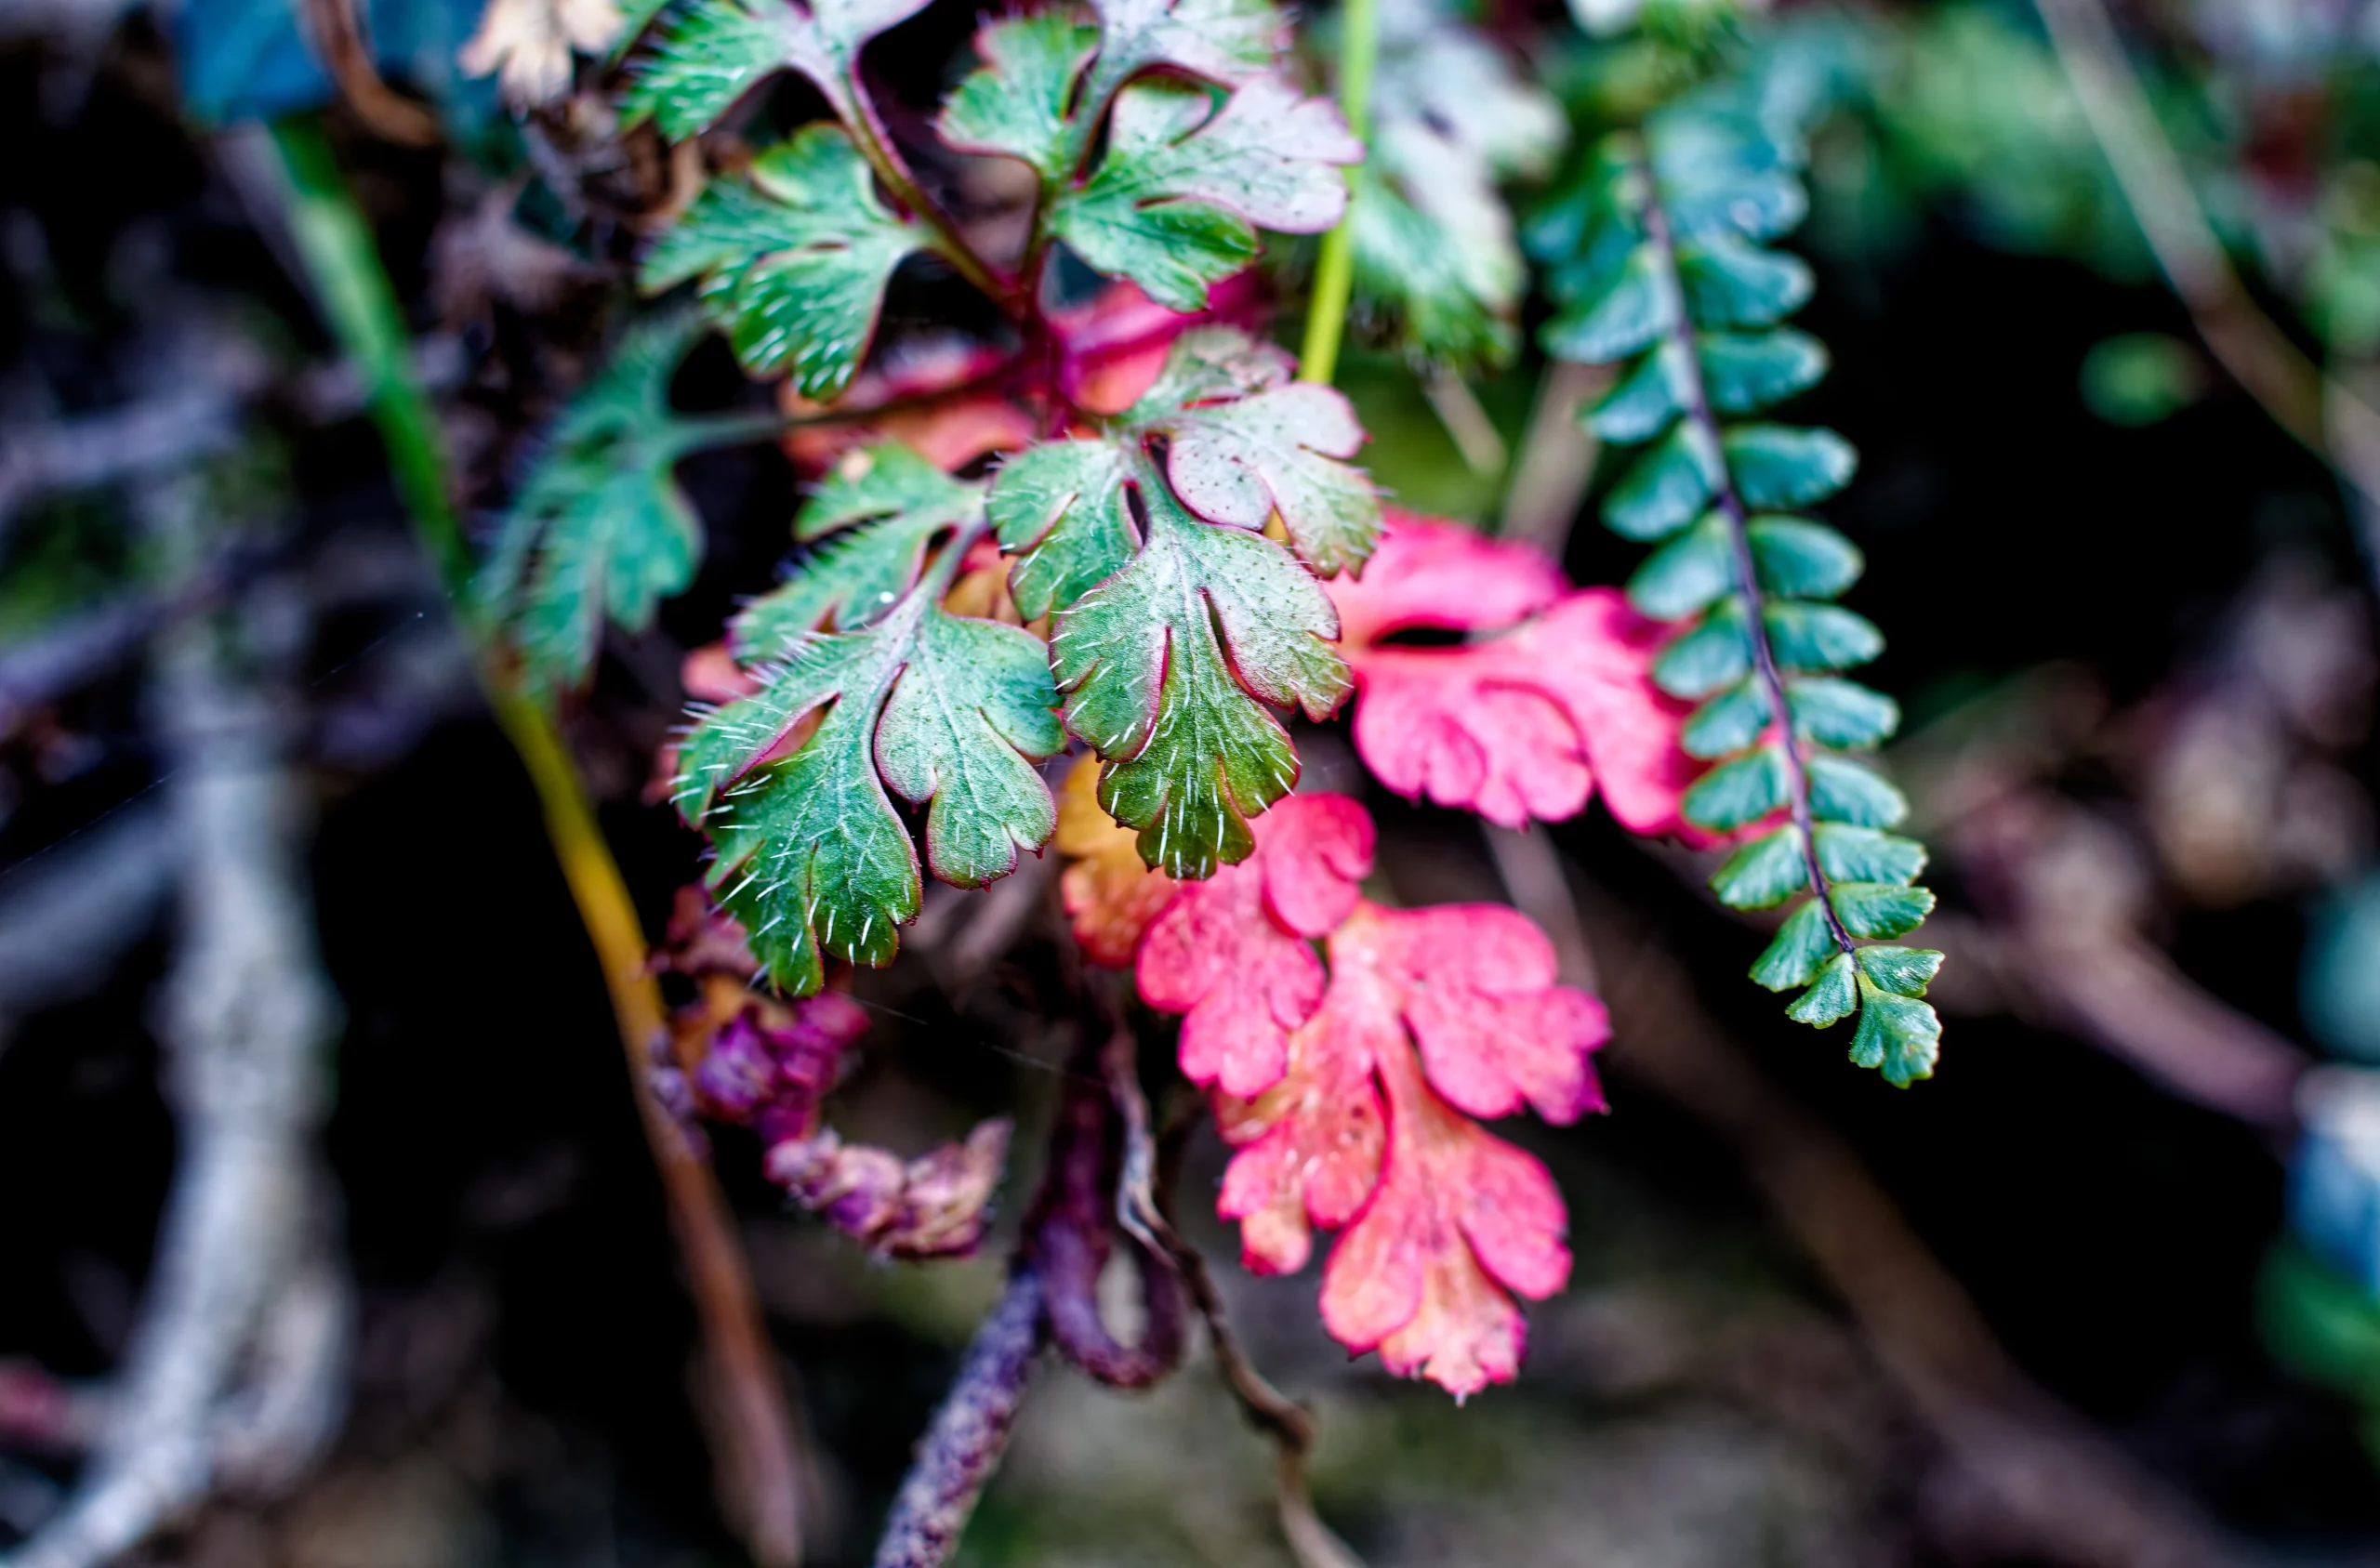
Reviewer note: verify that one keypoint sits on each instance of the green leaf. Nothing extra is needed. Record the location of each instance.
(1830, 998)
(1167, 667)
(1842, 714)
(1904, 970)
(1645, 402)
(812, 857)
(600, 526)
(1899, 1035)
(903, 501)
(1729, 721)
(1631, 314)
(1752, 206)
(1784, 466)
(1864, 854)
(1819, 636)
(1845, 792)
(1223, 41)
(1175, 201)
(794, 265)
(1015, 103)
(1684, 575)
(1744, 372)
(1667, 487)
(1714, 653)
(1737, 792)
(1797, 558)
(1801, 944)
(1881, 909)
(1730, 284)
(1241, 440)
(718, 51)
(1280, 448)
(1764, 872)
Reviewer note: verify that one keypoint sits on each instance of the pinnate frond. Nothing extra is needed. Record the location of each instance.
(1658, 255)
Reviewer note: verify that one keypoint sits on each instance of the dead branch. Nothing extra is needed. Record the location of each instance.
(2058, 1488)
(243, 1309)
(1288, 1423)
(2325, 415)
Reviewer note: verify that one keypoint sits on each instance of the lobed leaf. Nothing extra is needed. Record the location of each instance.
(718, 51)
(1177, 197)
(600, 528)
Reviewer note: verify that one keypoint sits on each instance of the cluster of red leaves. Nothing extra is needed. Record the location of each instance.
(737, 1056)
(1348, 1090)
(1524, 723)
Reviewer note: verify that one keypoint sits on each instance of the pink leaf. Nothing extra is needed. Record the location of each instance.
(1232, 952)
(1514, 727)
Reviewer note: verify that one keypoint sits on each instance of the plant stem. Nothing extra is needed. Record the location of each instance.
(2329, 418)
(1731, 505)
(1334, 271)
(876, 145)
(758, 1449)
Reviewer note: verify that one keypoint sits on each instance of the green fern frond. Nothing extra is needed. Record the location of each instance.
(1657, 256)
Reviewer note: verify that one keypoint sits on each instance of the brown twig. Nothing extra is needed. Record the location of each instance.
(248, 1018)
(1288, 1424)
(2060, 1489)
(337, 33)
(2327, 417)
(962, 1446)
(1067, 1238)
(1557, 457)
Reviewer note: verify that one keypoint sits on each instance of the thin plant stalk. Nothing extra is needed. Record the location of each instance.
(1335, 271)
(335, 243)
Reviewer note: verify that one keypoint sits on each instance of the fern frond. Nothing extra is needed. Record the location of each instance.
(1658, 256)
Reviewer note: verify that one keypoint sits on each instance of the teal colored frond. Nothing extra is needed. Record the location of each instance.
(1658, 256)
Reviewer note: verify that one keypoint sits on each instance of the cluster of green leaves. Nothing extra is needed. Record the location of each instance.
(1163, 135)
(1438, 271)
(1658, 255)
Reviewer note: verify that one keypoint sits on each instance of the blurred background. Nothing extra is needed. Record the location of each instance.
(2106, 1290)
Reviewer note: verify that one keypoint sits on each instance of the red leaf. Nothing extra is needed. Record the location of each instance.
(1517, 726)
(1460, 1218)
(1232, 952)
(1444, 1221)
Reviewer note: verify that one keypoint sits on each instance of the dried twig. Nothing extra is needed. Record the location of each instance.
(337, 30)
(1557, 457)
(248, 1015)
(2327, 416)
(963, 1445)
(2058, 1488)
(1288, 1424)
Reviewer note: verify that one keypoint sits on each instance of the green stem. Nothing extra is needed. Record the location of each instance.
(352, 287)
(876, 145)
(1335, 271)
